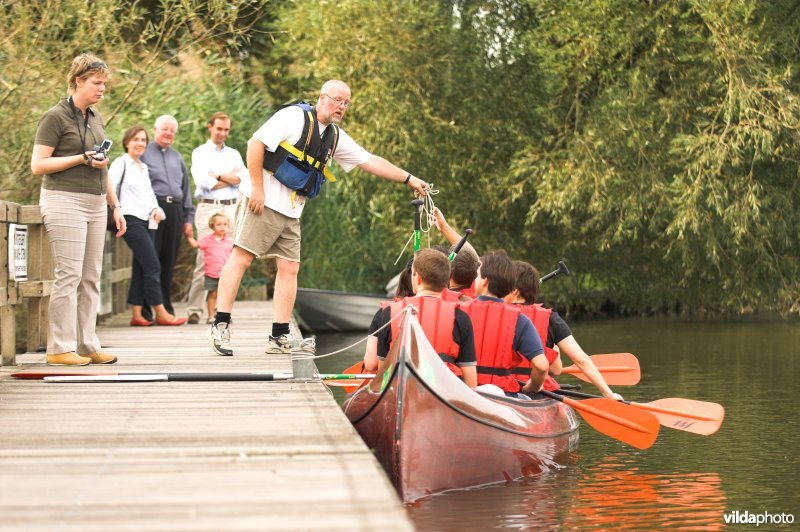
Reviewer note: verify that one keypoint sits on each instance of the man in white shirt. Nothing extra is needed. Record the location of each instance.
(268, 222)
(217, 170)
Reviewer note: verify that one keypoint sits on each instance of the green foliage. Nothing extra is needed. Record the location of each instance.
(654, 145)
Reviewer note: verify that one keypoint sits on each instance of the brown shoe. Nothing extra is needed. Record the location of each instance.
(101, 358)
(69, 358)
(194, 318)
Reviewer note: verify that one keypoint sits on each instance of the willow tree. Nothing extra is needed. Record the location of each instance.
(672, 154)
(168, 56)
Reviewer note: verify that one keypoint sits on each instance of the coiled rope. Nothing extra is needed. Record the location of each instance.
(427, 221)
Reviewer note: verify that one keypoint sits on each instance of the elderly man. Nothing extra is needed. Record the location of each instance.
(217, 170)
(170, 181)
(286, 159)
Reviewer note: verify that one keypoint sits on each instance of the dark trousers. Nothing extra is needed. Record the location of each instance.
(168, 241)
(146, 269)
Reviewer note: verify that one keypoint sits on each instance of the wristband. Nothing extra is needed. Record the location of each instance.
(117, 206)
(408, 178)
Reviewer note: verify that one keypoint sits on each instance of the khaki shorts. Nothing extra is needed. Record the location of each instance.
(269, 234)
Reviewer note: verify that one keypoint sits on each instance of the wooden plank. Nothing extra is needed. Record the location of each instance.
(178, 456)
(35, 288)
(8, 337)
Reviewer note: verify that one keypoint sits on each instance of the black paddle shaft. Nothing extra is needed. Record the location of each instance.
(562, 268)
(417, 203)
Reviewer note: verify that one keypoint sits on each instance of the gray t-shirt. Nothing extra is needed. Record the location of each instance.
(59, 129)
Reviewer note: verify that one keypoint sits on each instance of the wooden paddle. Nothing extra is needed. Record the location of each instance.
(688, 415)
(618, 369)
(113, 376)
(619, 421)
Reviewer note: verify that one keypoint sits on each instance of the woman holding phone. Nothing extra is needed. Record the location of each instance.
(75, 191)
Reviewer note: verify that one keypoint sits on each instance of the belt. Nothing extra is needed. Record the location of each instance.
(168, 199)
(219, 201)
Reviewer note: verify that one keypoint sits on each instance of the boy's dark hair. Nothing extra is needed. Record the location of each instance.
(464, 268)
(442, 249)
(526, 280)
(433, 267)
(404, 287)
(497, 268)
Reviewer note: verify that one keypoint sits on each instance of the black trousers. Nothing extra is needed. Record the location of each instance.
(167, 243)
(146, 269)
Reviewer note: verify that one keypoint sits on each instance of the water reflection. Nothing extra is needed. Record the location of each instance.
(608, 495)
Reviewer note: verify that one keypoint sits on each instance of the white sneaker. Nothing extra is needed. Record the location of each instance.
(282, 345)
(219, 336)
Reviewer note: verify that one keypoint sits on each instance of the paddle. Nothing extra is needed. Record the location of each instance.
(688, 415)
(618, 369)
(110, 376)
(460, 245)
(621, 422)
(417, 203)
(562, 268)
(351, 387)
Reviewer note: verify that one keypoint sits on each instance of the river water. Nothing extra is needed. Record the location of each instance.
(684, 480)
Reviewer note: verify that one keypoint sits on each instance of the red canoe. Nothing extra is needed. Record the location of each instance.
(432, 433)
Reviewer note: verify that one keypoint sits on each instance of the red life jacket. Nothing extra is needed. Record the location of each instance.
(494, 324)
(450, 295)
(469, 291)
(437, 318)
(540, 316)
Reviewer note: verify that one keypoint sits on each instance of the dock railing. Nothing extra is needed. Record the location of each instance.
(24, 303)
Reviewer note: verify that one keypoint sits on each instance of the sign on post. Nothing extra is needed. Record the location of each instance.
(17, 252)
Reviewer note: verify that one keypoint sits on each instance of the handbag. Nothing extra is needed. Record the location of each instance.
(110, 223)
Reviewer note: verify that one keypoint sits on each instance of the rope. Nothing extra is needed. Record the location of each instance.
(426, 222)
(301, 354)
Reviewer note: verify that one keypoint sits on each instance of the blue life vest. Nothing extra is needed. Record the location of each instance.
(303, 167)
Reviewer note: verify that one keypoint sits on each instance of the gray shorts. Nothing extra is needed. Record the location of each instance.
(269, 234)
(210, 283)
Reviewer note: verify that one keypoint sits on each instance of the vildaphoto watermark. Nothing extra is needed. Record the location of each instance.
(761, 518)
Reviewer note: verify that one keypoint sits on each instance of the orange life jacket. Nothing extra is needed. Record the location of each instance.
(540, 316)
(437, 318)
(494, 324)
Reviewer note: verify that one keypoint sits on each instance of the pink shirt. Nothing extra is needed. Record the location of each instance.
(216, 253)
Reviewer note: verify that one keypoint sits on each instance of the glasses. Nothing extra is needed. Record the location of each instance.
(339, 101)
(93, 66)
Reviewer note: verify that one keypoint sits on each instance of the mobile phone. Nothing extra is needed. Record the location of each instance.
(105, 146)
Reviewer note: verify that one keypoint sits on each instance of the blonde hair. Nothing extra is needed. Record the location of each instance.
(217, 215)
(83, 67)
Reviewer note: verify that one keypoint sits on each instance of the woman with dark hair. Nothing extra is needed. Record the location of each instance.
(74, 194)
(142, 214)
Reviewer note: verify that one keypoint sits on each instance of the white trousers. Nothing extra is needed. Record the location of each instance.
(76, 228)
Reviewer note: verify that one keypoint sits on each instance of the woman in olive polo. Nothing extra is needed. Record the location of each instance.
(75, 190)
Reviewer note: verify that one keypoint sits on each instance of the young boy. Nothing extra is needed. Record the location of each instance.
(552, 329)
(503, 335)
(430, 272)
(217, 248)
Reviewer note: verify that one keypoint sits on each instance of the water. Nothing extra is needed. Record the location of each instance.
(684, 480)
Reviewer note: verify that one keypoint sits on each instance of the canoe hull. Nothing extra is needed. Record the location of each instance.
(431, 433)
(332, 311)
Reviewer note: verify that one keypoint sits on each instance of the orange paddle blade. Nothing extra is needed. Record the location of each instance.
(698, 417)
(620, 421)
(618, 369)
(350, 386)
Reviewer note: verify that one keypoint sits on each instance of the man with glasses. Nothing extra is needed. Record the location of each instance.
(170, 180)
(268, 222)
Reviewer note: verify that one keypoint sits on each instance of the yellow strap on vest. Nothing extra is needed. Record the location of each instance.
(309, 159)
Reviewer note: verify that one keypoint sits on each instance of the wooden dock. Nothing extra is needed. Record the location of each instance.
(185, 455)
